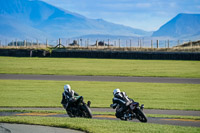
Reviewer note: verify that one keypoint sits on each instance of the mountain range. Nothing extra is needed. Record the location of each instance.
(35, 19)
(181, 26)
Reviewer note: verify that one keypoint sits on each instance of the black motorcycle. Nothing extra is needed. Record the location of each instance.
(79, 108)
(134, 111)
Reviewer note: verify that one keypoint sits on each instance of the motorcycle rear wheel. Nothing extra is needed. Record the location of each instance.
(140, 115)
(87, 112)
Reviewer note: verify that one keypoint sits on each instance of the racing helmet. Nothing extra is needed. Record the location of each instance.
(67, 88)
(116, 91)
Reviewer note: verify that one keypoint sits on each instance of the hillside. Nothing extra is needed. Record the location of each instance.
(181, 26)
(38, 20)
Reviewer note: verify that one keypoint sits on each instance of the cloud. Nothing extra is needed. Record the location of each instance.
(143, 5)
(172, 4)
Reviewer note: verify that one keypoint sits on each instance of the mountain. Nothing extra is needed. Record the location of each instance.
(34, 19)
(181, 26)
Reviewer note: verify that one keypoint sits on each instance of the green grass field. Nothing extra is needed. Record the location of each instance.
(100, 126)
(34, 93)
(114, 67)
(41, 93)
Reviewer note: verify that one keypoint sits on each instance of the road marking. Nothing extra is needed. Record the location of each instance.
(181, 120)
(104, 116)
(38, 114)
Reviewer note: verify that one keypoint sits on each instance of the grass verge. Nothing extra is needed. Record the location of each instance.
(35, 93)
(99, 126)
(109, 67)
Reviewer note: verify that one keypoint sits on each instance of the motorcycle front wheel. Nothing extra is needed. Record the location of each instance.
(70, 114)
(140, 115)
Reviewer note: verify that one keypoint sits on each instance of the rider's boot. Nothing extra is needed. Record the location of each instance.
(142, 107)
(88, 104)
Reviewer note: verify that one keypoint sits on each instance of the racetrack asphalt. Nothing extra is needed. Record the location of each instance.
(156, 120)
(101, 78)
(22, 128)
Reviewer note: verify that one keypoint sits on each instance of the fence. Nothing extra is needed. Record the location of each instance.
(84, 42)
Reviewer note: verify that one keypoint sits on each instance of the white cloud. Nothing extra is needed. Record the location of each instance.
(172, 4)
(143, 5)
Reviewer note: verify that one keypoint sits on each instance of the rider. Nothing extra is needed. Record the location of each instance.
(68, 96)
(121, 99)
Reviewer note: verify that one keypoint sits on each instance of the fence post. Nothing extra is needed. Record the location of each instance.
(37, 43)
(78, 42)
(81, 41)
(59, 42)
(46, 43)
(16, 42)
(68, 41)
(168, 43)
(25, 43)
(178, 42)
(87, 42)
(97, 43)
(190, 43)
(157, 43)
(143, 42)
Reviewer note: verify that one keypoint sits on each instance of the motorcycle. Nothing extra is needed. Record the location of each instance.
(134, 111)
(79, 108)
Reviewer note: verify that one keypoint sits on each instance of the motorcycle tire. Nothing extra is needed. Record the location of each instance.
(69, 114)
(140, 115)
(87, 112)
(123, 119)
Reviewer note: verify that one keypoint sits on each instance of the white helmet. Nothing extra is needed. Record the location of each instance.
(67, 88)
(116, 91)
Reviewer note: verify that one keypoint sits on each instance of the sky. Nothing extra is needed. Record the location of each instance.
(148, 15)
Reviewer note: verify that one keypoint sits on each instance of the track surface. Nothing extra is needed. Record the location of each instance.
(22, 128)
(100, 78)
(168, 121)
(147, 111)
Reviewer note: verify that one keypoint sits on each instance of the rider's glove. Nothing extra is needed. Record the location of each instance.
(128, 103)
(113, 105)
